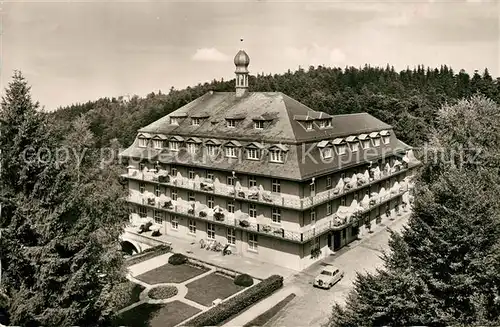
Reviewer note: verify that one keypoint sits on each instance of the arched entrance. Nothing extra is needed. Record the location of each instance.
(129, 248)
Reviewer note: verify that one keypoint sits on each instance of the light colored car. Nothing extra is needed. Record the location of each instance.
(328, 277)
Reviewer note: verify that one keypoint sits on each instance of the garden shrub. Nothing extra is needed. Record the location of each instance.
(243, 280)
(162, 292)
(177, 259)
(240, 302)
(148, 254)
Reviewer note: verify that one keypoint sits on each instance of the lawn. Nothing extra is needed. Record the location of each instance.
(211, 287)
(266, 316)
(156, 315)
(171, 274)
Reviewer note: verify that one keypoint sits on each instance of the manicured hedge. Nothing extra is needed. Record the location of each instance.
(243, 280)
(235, 305)
(177, 259)
(147, 254)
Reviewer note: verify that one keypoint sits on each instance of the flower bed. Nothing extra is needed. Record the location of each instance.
(162, 292)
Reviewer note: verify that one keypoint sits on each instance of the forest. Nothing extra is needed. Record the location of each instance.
(408, 100)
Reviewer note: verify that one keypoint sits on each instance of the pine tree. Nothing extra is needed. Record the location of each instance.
(443, 268)
(59, 247)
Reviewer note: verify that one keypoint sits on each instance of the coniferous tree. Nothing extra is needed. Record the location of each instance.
(443, 268)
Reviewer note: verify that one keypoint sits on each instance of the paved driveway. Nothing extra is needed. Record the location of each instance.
(312, 307)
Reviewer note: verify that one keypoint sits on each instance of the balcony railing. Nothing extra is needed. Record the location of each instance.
(258, 195)
(241, 220)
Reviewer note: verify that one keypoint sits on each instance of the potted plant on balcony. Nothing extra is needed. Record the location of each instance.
(191, 211)
(168, 204)
(244, 223)
(151, 201)
(145, 227)
(266, 228)
(219, 216)
(315, 252)
(373, 202)
(241, 194)
(203, 214)
(164, 179)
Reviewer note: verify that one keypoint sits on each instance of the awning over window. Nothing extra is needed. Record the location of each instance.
(338, 141)
(351, 138)
(374, 134)
(362, 136)
(323, 144)
(384, 133)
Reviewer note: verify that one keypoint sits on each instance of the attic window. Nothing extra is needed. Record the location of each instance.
(253, 154)
(276, 156)
(386, 139)
(174, 120)
(327, 152)
(231, 123)
(354, 146)
(174, 145)
(230, 152)
(158, 144)
(258, 124)
(365, 144)
(212, 149)
(309, 125)
(195, 121)
(143, 142)
(376, 141)
(324, 123)
(341, 149)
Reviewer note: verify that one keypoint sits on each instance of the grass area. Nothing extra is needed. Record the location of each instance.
(266, 316)
(156, 315)
(147, 254)
(162, 292)
(211, 287)
(171, 274)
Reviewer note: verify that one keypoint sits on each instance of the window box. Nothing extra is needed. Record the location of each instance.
(244, 223)
(373, 202)
(219, 216)
(266, 228)
(167, 205)
(241, 194)
(151, 202)
(164, 179)
(203, 214)
(206, 187)
(191, 211)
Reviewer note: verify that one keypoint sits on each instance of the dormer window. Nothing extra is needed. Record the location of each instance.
(230, 152)
(158, 144)
(327, 152)
(212, 150)
(253, 154)
(341, 149)
(231, 123)
(174, 121)
(174, 145)
(309, 125)
(324, 123)
(276, 156)
(192, 147)
(196, 121)
(366, 144)
(143, 142)
(376, 141)
(258, 124)
(354, 146)
(386, 139)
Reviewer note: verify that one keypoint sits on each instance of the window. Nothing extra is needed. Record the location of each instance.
(376, 141)
(366, 144)
(173, 195)
(174, 222)
(173, 171)
(309, 125)
(230, 152)
(231, 123)
(252, 181)
(158, 144)
(252, 210)
(230, 180)
(195, 121)
(157, 190)
(328, 182)
(325, 123)
(252, 242)
(192, 226)
(210, 231)
(230, 206)
(276, 186)
(342, 201)
(276, 156)
(276, 215)
(212, 150)
(327, 153)
(174, 145)
(312, 187)
(259, 124)
(174, 121)
(341, 149)
(315, 244)
(313, 216)
(253, 154)
(355, 146)
(342, 176)
(192, 147)
(143, 212)
(210, 201)
(142, 188)
(209, 175)
(231, 236)
(328, 208)
(355, 196)
(141, 166)
(191, 174)
(143, 142)
(158, 217)
(386, 139)
(191, 196)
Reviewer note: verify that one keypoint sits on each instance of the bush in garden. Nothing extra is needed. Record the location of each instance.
(177, 259)
(243, 280)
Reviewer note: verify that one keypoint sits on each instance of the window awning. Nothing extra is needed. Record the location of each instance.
(323, 144)
(351, 138)
(374, 134)
(362, 136)
(384, 133)
(338, 141)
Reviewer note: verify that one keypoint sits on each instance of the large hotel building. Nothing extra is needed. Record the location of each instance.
(275, 179)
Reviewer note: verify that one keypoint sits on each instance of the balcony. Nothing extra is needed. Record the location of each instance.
(242, 221)
(259, 195)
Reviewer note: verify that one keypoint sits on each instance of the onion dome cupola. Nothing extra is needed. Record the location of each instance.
(241, 61)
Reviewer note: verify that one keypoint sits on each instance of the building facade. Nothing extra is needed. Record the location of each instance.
(274, 179)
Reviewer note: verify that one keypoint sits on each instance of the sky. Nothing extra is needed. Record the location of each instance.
(75, 51)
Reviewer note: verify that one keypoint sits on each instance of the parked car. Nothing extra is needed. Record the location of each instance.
(328, 277)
